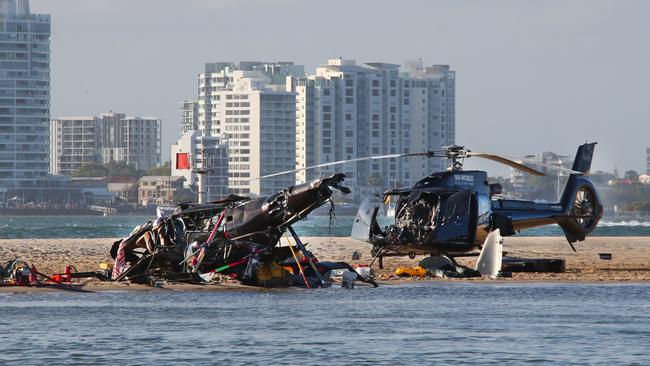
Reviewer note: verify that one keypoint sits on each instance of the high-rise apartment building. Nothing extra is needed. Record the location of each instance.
(76, 141)
(140, 142)
(247, 105)
(24, 94)
(346, 111)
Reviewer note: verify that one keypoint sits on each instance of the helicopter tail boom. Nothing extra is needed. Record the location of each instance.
(577, 213)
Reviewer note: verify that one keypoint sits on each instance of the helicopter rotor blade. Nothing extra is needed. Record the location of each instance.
(553, 167)
(508, 162)
(378, 157)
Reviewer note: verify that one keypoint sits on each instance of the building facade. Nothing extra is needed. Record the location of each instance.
(346, 111)
(203, 162)
(76, 141)
(140, 142)
(189, 115)
(24, 95)
(247, 105)
(159, 190)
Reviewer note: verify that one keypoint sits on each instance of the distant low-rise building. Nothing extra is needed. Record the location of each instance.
(95, 190)
(124, 188)
(159, 190)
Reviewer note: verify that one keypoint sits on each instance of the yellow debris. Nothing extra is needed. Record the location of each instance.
(411, 271)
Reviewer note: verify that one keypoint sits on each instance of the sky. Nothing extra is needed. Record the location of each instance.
(532, 76)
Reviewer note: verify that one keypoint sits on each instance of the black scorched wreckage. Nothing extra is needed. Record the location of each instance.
(236, 236)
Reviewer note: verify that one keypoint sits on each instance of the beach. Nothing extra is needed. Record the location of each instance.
(630, 258)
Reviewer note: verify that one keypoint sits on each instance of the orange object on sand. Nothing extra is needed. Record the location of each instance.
(411, 271)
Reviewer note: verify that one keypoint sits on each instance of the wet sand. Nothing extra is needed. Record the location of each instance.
(630, 259)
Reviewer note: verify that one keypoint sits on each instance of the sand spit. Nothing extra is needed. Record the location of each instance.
(630, 259)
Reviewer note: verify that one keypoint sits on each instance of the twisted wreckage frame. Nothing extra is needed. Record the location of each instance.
(236, 236)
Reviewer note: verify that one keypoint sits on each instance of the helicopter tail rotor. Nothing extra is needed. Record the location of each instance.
(580, 201)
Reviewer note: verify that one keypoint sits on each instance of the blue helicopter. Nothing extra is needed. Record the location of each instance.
(452, 213)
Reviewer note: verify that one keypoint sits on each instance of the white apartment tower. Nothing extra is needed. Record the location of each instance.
(24, 94)
(247, 105)
(75, 141)
(140, 142)
(346, 111)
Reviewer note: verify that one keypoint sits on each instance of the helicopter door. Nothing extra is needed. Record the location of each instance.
(458, 218)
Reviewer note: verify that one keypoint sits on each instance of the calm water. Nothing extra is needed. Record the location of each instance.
(119, 226)
(457, 323)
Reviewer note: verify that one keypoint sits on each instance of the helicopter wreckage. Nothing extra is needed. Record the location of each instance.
(448, 214)
(238, 237)
(445, 215)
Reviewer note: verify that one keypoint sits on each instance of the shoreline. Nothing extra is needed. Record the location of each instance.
(630, 261)
(108, 287)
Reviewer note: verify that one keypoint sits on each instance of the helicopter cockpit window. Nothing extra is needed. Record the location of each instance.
(456, 207)
(484, 204)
